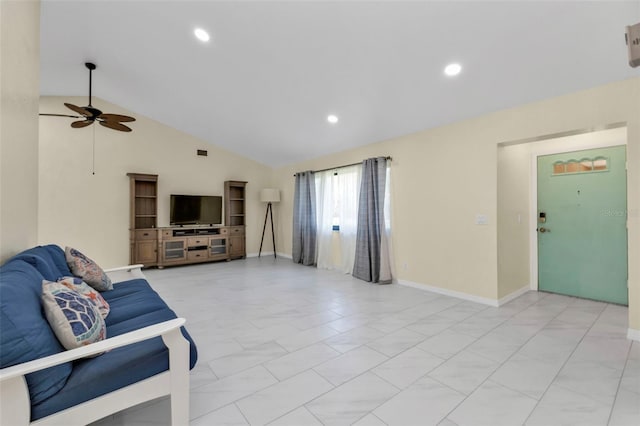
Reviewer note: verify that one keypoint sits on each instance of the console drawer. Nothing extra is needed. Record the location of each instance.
(146, 234)
(236, 230)
(195, 255)
(197, 241)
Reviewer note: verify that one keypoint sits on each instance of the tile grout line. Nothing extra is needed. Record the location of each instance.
(565, 362)
(344, 383)
(240, 411)
(371, 412)
(476, 339)
(619, 383)
(501, 364)
(355, 294)
(445, 360)
(309, 369)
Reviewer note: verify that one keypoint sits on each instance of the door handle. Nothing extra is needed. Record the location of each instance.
(543, 229)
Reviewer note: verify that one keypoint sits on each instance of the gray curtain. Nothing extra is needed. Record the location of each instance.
(304, 219)
(372, 253)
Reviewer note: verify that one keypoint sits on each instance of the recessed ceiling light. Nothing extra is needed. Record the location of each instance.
(452, 69)
(201, 34)
(332, 119)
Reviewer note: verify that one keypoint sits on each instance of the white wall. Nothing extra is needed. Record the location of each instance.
(91, 212)
(20, 87)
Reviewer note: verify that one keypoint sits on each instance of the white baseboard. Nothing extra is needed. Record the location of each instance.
(633, 334)
(452, 293)
(269, 254)
(263, 254)
(509, 297)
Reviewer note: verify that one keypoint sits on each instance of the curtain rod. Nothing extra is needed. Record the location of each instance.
(340, 167)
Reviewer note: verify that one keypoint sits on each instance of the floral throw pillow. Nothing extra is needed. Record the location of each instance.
(85, 268)
(75, 283)
(73, 318)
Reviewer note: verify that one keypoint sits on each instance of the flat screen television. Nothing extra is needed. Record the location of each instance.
(196, 210)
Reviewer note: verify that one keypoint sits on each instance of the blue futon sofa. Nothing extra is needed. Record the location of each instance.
(147, 353)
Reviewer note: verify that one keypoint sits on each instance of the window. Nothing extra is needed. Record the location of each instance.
(337, 207)
(586, 165)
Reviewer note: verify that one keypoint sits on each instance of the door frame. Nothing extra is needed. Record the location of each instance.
(533, 191)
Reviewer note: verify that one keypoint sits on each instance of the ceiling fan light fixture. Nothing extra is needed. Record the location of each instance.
(201, 35)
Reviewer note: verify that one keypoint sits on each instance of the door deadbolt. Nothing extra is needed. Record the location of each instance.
(542, 217)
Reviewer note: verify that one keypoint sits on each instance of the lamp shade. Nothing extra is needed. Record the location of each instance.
(270, 195)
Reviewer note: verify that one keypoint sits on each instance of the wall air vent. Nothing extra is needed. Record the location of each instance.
(203, 152)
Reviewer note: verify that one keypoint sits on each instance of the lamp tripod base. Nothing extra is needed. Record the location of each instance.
(268, 215)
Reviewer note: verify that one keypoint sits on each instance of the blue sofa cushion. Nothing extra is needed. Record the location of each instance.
(49, 260)
(25, 334)
(134, 305)
(132, 298)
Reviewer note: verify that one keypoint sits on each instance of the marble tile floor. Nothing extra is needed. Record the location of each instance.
(285, 344)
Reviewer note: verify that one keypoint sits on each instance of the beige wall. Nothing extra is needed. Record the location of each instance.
(91, 212)
(437, 189)
(513, 218)
(20, 87)
(443, 177)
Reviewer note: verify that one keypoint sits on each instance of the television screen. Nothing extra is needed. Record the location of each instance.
(196, 210)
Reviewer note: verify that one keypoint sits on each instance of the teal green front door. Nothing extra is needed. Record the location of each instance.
(582, 232)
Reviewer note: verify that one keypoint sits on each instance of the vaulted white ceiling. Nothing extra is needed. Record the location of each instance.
(272, 71)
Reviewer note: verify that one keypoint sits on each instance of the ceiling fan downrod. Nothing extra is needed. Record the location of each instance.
(91, 66)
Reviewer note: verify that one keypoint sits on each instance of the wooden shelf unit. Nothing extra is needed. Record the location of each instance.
(172, 246)
(183, 246)
(234, 212)
(143, 222)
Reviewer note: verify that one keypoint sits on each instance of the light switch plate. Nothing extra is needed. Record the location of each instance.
(482, 219)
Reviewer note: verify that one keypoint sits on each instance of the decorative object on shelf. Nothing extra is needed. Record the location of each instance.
(90, 114)
(269, 196)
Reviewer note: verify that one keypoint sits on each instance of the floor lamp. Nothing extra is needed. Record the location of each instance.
(269, 196)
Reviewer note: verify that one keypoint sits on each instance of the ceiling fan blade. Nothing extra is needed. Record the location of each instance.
(80, 124)
(115, 126)
(79, 110)
(116, 117)
(61, 115)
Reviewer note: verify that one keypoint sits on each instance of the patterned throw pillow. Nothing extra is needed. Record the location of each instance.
(75, 283)
(74, 319)
(85, 268)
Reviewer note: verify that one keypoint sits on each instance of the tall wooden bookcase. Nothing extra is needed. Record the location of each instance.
(235, 216)
(143, 224)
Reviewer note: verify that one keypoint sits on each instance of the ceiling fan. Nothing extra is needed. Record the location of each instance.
(89, 114)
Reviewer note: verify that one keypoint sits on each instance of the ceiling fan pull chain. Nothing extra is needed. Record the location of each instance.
(93, 153)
